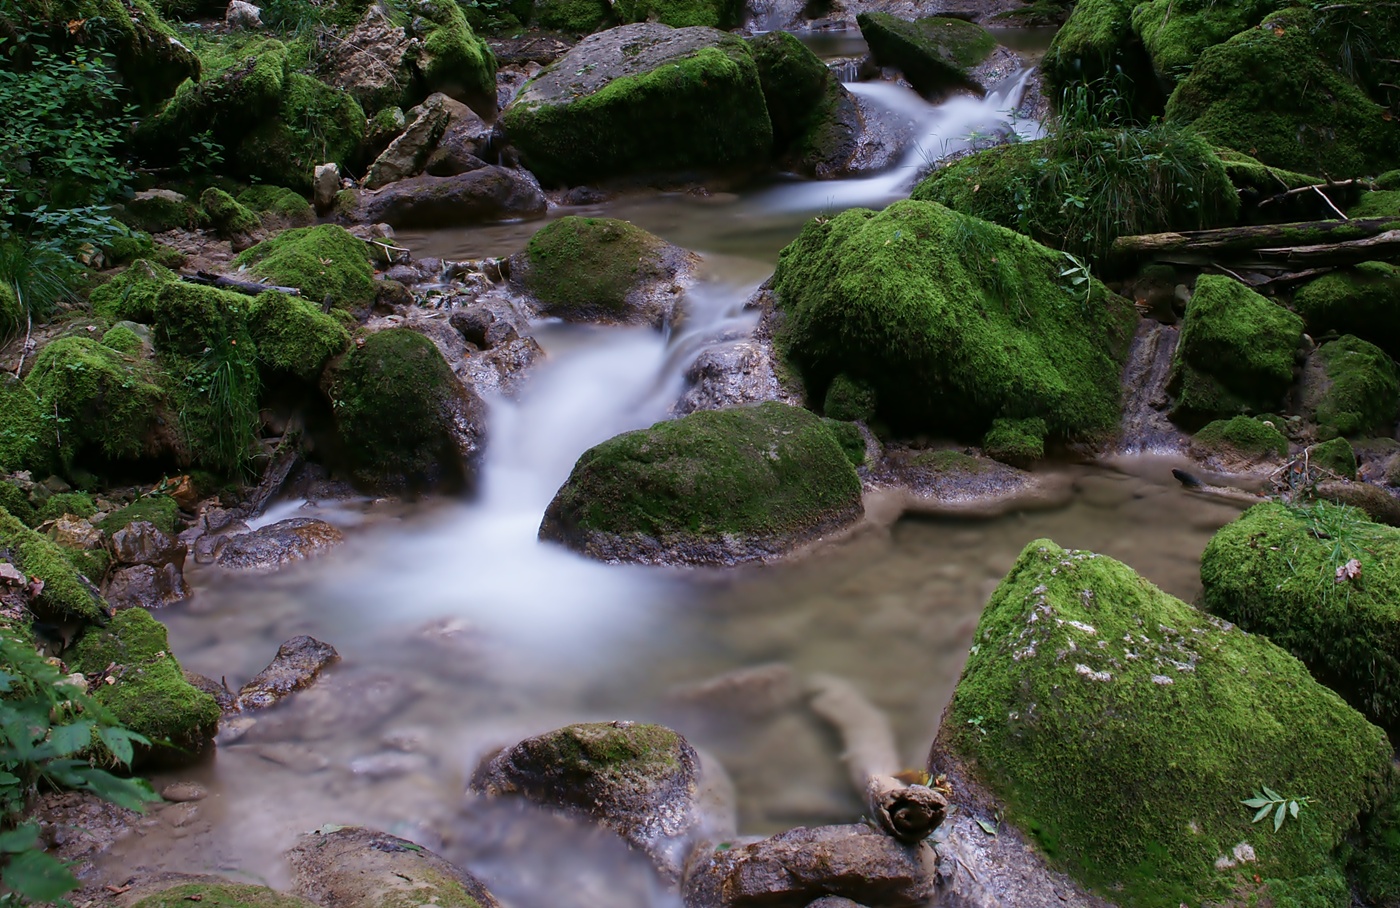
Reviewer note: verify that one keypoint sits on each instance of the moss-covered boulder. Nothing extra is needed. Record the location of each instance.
(714, 487)
(108, 405)
(1175, 35)
(1019, 442)
(934, 53)
(67, 596)
(159, 210)
(16, 501)
(323, 262)
(1126, 181)
(641, 100)
(1241, 437)
(12, 312)
(849, 400)
(952, 321)
(1287, 572)
(226, 215)
(453, 60)
(219, 895)
(293, 335)
(1235, 355)
(578, 17)
(1376, 205)
(1121, 729)
(281, 203)
(641, 781)
(602, 269)
(1363, 300)
(79, 504)
(1351, 388)
(404, 419)
(722, 14)
(131, 295)
(1271, 93)
(314, 124)
(148, 693)
(158, 510)
(23, 432)
(355, 867)
(1336, 456)
(1097, 48)
(815, 120)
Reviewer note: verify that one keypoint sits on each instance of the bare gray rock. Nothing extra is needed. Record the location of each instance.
(278, 545)
(147, 586)
(297, 664)
(408, 153)
(802, 865)
(354, 867)
(243, 15)
(486, 194)
(324, 185)
(142, 542)
(463, 144)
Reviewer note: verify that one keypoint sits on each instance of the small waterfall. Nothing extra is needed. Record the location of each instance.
(847, 69)
(1145, 428)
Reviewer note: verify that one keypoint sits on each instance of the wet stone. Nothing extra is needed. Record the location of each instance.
(278, 545)
(147, 586)
(143, 543)
(184, 791)
(354, 867)
(297, 664)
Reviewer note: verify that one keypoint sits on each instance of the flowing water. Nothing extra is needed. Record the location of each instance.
(460, 632)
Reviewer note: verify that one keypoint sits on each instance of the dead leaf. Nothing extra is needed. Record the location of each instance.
(117, 890)
(76, 25)
(36, 586)
(1349, 571)
(194, 898)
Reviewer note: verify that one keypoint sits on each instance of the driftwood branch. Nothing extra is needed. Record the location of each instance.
(224, 282)
(1318, 188)
(909, 812)
(1279, 246)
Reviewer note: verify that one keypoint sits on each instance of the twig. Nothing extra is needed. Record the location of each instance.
(1318, 187)
(970, 872)
(1232, 274)
(1339, 211)
(24, 347)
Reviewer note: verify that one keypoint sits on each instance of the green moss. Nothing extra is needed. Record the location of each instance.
(1269, 92)
(1363, 301)
(122, 339)
(1388, 181)
(192, 320)
(954, 322)
(1235, 354)
(575, 16)
(127, 249)
(314, 124)
(294, 336)
(1019, 442)
(587, 267)
(767, 473)
(324, 261)
(226, 215)
(91, 563)
(221, 895)
(160, 510)
(454, 60)
(1122, 728)
(1375, 863)
(1128, 181)
(1335, 455)
(131, 296)
(721, 14)
(1363, 396)
(848, 399)
(279, 202)
(1274, 571)
(104, 400)
(14, 500)
(1377, 205)
(701, 112)
(933, 53)
(151, 695)
(11, 312)
(608, 752)
(392, 401)
(1175, 35)
(805, 101)
(23, 433)
(160, 212)
(65, 596)
(78, 504)
(849, 437)
(1097, 47)
(1243, 435)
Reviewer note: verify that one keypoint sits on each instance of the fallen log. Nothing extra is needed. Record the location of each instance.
(908, 811)
(1304, 243)
(224, 282)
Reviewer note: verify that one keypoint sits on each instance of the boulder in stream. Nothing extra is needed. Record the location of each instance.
(1129, 735)
(487, 193)
(603, 270)
(355, 867)
(641, 781)
(297, 664)
(713, 487)
(278, 545)
(934, 53)
(816, 123)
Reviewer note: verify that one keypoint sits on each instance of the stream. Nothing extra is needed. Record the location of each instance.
(461, 633)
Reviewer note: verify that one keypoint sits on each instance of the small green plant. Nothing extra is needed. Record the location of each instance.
(1273, 802)
(49, 730)
(1077, 271)
(222, 407)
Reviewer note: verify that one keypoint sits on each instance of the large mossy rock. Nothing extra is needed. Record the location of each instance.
(355, 867)
(1235, 355)
(1130, 180)
(1283, 572)
(1351, 389)
(67, 596)
(1241, 438)
(325, 262)
(1364, 301)
(1097, 47)
(722, 14)
(453, 60)
(952, 321)
(1121, 729)
(601, 269)
(934, 53)
(148, 693)
(293, 335)
(1270, 92)
(1176, 33)
(404, 419)
(714, 487)
(23, 433)
(643, 99)
(815, 120)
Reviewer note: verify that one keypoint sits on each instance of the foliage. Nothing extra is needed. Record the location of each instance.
(1273, 802)
(47, 725)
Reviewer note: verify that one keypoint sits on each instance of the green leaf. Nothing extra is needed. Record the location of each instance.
(987, 827)
(1293, 809)
(23, 838)
(1273, 795)
(69, 739)
(1256, 802)
(1278, 817)
(1263, 812)
(38, 876)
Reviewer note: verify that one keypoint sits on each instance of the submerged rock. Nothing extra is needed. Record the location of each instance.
(354, 867)
(802, 865)
(714, 487)
(603, 270)
(1122, 728)
(278, 545)
(641, 781)
(297, 664)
